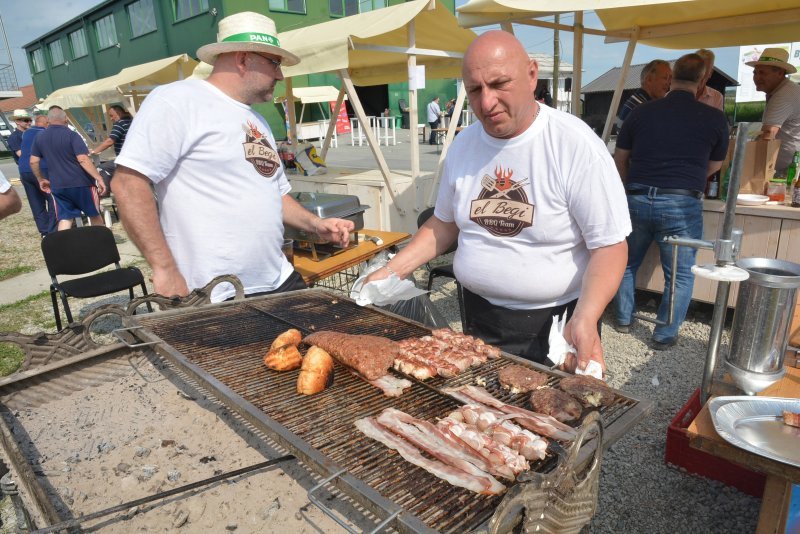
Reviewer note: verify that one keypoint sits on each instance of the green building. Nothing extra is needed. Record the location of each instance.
(120, 33)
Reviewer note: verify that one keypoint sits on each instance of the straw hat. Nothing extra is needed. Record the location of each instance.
(774, 57)
(21, 114)
(246, 32)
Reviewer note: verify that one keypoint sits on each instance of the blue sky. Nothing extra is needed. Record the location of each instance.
(23, 25)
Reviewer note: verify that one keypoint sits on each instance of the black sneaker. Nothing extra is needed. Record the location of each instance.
(662, 345)
(622, 328)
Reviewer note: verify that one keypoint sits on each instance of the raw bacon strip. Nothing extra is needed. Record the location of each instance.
(454, 476)
(433, 441)
(410, 364)
(503, 460)
(503, 431)
(391, 385)
(539, 423)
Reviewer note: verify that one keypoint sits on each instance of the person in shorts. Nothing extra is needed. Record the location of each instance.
(73, 180)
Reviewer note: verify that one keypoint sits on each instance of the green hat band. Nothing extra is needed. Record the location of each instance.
(778, 60)
(264, 38)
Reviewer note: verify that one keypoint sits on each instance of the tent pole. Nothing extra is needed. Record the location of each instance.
(451, 133)
(577, 64)
(507, 27)
(612, 111)
(556, 60)
(371, 139)
(292, 133)
(332, 123)
(413, 119)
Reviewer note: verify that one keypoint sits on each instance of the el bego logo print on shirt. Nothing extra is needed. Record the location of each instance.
(502, 206)
(258, 151)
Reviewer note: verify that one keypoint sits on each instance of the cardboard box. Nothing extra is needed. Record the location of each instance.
(679, 453)
(758, 167)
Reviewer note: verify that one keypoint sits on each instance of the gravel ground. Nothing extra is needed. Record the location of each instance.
(639, 493)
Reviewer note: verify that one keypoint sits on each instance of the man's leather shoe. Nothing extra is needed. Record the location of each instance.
(622, 328)
(662, 345)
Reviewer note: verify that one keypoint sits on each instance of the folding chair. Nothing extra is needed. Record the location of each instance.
(444, 270)
(81, 251)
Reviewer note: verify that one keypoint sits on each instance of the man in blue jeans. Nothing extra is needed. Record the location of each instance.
(665, 151)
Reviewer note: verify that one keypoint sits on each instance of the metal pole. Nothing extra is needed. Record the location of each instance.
(723, 288)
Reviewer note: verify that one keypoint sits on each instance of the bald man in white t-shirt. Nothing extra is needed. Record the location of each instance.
(537, 206)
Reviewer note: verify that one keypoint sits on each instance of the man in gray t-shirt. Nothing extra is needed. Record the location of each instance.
(782, 113)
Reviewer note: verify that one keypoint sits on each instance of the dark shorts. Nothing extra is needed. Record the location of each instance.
(72, 201)
(521, 332)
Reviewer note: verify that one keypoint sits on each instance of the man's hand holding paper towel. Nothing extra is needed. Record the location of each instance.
(565, 337)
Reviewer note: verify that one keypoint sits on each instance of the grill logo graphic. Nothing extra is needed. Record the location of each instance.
(258, 151)
(502, 206)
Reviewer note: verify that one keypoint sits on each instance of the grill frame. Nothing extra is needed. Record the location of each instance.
(350, 484)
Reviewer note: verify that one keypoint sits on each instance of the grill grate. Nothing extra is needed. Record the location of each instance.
(229, 343)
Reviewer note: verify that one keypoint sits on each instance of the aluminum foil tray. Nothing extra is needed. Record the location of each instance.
(756, 425)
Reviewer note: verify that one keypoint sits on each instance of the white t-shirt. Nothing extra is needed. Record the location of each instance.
(4, 184)
(783, 110)
(529, 209)
(219, 183)
(434, 111)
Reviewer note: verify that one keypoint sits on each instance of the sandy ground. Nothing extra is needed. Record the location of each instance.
(148, 432)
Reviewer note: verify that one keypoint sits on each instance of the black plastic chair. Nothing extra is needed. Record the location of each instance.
(444, 270)
(84, 250)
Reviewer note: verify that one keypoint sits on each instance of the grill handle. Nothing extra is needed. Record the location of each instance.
(117, 333)
(316, 501)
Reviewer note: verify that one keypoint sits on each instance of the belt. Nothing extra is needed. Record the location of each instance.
(650, 190)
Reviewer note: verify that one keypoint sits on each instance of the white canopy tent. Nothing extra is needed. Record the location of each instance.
(668, 24)
(378, 47)
(312, 95)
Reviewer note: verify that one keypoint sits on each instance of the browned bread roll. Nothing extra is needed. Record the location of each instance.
(316, 373)
(290, 337)
(283, 358)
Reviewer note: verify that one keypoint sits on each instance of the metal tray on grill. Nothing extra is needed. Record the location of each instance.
(327, 205)
(222, 346)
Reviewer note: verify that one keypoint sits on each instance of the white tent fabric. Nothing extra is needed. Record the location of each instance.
(312, 95)
(140, 78)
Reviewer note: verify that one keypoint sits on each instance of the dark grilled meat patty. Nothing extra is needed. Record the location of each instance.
(520, 379)
(587, 389)
(369, 355)
(557, 404)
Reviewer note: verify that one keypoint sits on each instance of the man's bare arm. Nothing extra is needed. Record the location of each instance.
(713, 166)
(622, 160)
(769, 132)
(87, 165)
(431, 240)
(10, 203)
(600, 283)
(44, 183)
(139, 215)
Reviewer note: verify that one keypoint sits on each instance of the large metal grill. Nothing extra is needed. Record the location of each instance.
(224, 346)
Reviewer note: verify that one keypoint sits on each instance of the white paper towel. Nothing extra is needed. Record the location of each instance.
(559, 348)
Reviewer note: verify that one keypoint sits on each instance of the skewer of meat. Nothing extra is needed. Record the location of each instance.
(539, 423)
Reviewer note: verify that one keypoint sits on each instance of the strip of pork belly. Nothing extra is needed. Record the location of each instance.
(479, 484)
(539, 423)
(504, 461)
(391, 385)
(408, 363)
(433, 441)
(503, 431)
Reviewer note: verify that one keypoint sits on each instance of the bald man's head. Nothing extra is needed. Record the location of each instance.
(500, 80)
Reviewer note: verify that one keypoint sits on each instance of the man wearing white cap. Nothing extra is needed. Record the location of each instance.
(23, 120)
(782, 113)
(222, 193)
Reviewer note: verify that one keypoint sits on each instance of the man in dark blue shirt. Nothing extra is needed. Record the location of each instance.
(44, 213)
(22, 119)
(665, 151)
(74, 181)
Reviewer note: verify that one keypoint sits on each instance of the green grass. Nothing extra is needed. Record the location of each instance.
(34, 311)
(11, 357)
(11, 272)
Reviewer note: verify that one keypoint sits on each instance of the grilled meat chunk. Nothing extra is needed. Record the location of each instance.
(791, 418)
(369, 355)
(589, 390)
(557, 404)
(520, 379)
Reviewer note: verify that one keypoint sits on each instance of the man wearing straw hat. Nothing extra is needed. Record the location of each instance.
(782, 114)
(222, 193)
(23, 120)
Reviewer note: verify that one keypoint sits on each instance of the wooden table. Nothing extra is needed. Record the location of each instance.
(780, 477)
(313, 271)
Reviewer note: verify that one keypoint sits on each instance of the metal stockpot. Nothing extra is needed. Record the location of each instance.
(761, 322)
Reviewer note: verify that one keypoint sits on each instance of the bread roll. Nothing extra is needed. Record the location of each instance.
(290, 337)
(285, 358)
(316, 373)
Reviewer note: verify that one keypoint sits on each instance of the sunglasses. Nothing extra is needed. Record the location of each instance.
(275, 62)
(24, 120)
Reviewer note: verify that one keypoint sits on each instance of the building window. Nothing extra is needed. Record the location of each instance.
(142, 17)
(77, 42)
(344, 8)
(290, 6)
(106, 32)
(37, 57)
(56, 53)
(189, 8)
